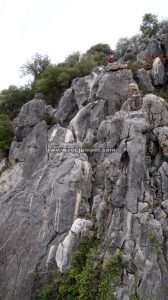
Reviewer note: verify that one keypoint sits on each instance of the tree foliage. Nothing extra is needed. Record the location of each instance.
(13, 98)
(36, 66)
(100, 48)
(150, 25)
(56, 78)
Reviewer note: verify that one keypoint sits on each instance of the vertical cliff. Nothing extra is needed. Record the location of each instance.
(98, 164)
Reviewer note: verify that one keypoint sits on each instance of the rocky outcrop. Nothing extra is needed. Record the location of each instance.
(97, 162)
(151, 48)
(115, 67)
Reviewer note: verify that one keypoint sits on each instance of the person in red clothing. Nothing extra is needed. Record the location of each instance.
(110, 59)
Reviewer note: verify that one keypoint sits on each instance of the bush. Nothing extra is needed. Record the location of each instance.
(111, 272)
(162, 92)
(6, 133)
(88, 278)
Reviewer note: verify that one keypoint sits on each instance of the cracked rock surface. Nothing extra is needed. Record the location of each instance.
(52, 193)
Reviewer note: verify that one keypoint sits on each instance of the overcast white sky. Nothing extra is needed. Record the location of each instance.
(59, 27)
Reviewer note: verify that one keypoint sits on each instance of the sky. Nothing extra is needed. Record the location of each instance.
(60, 27)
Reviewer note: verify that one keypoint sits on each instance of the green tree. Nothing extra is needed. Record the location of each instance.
(36, 66)
(57, 78)
(103, 48)
(12, 99)
(6, 133)
(73, 59)
(150, 25)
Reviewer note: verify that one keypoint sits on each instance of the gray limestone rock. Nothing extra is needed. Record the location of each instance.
(85, 124)
(3, 165)
(156, 110)
(67, 107)
(164, 205)
(113, 87)
(158, 72)
(85, 88)
(31, 114)
(164, 42)
(52, 192)
(36, 214)
(152, 50)
(80, 229)
(36, 154)
(144, 81)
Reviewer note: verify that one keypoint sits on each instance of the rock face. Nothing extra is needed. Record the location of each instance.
(50, 191)
(53, 193)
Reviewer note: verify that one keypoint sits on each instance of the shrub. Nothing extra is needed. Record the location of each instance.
(162, 92)
(6, 133)
(110, 275)
(88, 278)
(133, 69)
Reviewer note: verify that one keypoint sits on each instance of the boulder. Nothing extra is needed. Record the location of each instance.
(144, 81)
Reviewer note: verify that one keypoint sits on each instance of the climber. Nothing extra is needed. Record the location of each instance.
(111, 59)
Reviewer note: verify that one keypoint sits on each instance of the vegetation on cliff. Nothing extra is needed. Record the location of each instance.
(6, 133)
(89, 277)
